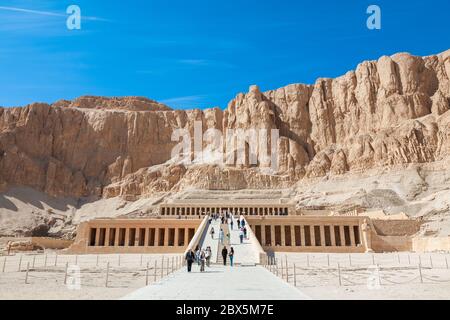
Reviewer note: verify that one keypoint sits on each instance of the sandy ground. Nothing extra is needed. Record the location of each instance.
(393, 276)
(46, 281)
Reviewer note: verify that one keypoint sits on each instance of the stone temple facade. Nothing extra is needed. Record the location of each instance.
(275, 226)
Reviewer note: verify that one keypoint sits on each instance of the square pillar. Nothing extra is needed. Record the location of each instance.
(263, 235)
(127, 237)
(333, 236)
(97, 237)
(166, 237)
(283, 235)
(116, 240)
(342, 233)
(293, 240)
(352, 236)
(302, 235)
(313, 235)
(322, 235)
(107, 236)
(176, 238)
(157, 237)
(147, 237)
(272, 236)
(186, 237)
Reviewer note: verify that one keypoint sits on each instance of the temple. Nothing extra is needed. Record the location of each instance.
(274, 226)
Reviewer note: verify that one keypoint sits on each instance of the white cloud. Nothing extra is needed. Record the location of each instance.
(185, 102)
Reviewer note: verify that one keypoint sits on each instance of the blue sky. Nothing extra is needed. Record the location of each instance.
(199, 53)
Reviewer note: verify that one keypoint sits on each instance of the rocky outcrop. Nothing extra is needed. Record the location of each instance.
(388, 112)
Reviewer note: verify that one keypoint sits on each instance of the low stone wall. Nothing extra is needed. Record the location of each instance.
(199, 235)
(258, 249)
(51, 243)
(391, 243)
(429, 244)
(396, 227)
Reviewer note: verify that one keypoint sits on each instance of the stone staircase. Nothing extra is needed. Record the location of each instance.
(226, 243)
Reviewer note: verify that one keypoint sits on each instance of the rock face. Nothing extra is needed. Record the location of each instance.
(393, 111)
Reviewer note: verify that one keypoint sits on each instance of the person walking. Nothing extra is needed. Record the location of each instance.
(208, 256)
(229, 238)
(245, 232)
(231, 255)
(202, 260)
(212, 233)
(221, 236)
(190, 257)
(231, 223)
(197, 256)
(224, 255)
(241, 235)
(243, 223)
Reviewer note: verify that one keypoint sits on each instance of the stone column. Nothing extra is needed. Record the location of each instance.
(332, 236)
(186, 237)
(146, 237)
(366, 231)
(116, 240)
(322, 235)
(97, 237)
(283, 235)
(313, 235)
(272, 235)
(157, 237)
(293, 242)
(176, 237)
(263, 235)
(127, 237)
(303, 235)
(352, 236)
(342, 233)
(108, 237)
(166, 237)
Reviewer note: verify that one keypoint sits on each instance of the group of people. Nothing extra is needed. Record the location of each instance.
(226, 254)
(201, 256)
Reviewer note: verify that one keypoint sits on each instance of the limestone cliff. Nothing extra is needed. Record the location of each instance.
(386, 113)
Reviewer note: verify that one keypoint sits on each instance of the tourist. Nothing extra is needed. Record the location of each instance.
(190, 257)
(231, 223)
(197, 256)
(245, 232)
(212, 233)
(231, 255)
(243, 222)
(221, 236)
(224, 255)
(202, 259)
(208, 256)
(229, 237)
(241, 235)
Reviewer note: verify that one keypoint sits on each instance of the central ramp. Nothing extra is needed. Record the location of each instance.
(220, 283)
